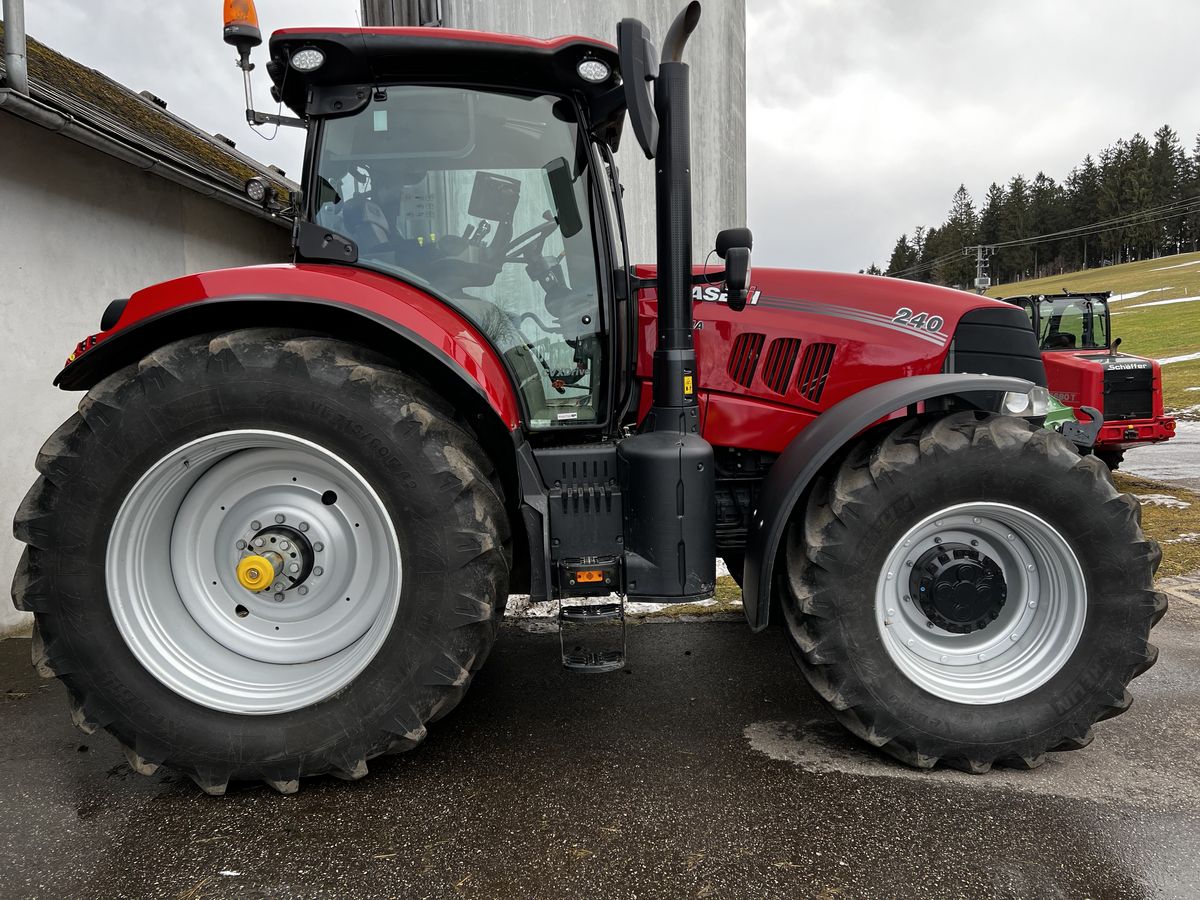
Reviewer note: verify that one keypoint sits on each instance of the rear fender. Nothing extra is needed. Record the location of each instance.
(421, 332)
(792, 473)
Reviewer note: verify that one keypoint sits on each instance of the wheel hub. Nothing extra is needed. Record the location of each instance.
(284, 554)
(960, 589)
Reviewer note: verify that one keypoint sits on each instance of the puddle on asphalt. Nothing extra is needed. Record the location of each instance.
(1105, 774)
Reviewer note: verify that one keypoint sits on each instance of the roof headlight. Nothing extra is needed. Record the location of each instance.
(256, 189)
(308, 60)
(593, 70)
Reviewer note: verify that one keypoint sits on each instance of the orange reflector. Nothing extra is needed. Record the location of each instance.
(241, 12)
(589, 576)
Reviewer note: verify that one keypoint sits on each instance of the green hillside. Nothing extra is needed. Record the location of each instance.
(1159, 331)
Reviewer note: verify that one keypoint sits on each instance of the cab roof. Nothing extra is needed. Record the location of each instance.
(363, 57)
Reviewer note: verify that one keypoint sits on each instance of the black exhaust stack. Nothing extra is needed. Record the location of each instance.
(667, 470)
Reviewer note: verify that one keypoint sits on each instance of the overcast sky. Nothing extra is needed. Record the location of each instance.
(863, 115)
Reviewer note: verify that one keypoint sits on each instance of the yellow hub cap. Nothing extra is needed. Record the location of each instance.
(255, 573)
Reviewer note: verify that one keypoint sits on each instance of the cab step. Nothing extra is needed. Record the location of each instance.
(592, 636)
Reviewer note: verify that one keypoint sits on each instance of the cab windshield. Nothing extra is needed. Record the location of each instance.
(482, 199)
(1070, 323)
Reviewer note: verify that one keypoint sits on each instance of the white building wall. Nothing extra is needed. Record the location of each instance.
(716, 54)
(78, 229)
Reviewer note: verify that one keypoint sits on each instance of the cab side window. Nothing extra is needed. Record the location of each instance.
(492, 216)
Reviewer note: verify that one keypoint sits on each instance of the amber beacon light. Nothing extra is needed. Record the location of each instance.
(241, 26)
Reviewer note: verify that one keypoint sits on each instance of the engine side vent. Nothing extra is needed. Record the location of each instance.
(780, 363)
(814, 370)
(743, 361)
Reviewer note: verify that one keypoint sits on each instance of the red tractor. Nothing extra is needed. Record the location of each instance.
(1084, 370)
(278, 536)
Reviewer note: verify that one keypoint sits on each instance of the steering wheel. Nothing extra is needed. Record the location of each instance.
(531, 240)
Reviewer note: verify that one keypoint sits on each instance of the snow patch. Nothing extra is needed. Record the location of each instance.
(1187, 357)
(1116, 298)
(1164, 500)
(1160, 303)
(1191, 537)
(1194, 262)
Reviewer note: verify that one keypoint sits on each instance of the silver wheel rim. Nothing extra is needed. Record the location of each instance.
(1035, 631)
(171, 572)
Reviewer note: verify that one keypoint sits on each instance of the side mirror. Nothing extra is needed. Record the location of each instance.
(737, 276)
(734, 237)
(637, 58)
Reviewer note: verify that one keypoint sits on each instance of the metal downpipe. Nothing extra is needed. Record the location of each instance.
(15, 62)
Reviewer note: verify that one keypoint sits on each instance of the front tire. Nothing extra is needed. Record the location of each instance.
(374, 501)
(971, 591)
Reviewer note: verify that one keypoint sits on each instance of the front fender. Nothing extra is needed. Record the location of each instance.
(791, 474)
(390, 316)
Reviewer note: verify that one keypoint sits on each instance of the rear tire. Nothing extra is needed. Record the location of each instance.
(195, 693)
(1054, 582)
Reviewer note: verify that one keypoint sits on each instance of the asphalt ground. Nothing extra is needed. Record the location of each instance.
(1175, 462)
(706, 769)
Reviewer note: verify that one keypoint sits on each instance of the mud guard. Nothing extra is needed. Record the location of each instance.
(791, 474)
(387, 315)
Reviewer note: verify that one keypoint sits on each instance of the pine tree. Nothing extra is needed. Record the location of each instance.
(1168, 167)
(903, 256)
(959, 232)
(1014, 225)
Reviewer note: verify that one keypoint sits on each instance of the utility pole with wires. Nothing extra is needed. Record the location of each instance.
(983, 253)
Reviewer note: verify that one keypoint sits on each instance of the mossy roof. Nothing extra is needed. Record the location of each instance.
(113, 108)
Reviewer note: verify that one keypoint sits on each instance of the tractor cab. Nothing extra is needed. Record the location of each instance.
(489, 198)
(1068, 321)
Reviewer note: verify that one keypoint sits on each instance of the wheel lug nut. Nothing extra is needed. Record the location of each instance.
(1013, 637)
(294, 568)
(304, 526)
(258, 542)
(284, 545)
(317, 570)
(974, 543)
(302, 590)
(241, 545)
(937, 540)
(279, 597)
(318, 546)
(279, 519)
(256, 524)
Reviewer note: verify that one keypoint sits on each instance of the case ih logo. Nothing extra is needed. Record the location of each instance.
(716, 294)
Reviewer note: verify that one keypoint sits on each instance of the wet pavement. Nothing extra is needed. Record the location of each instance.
(1175, 462)
(707, 770)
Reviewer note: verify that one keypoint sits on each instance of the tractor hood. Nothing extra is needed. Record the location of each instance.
(807, 340)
